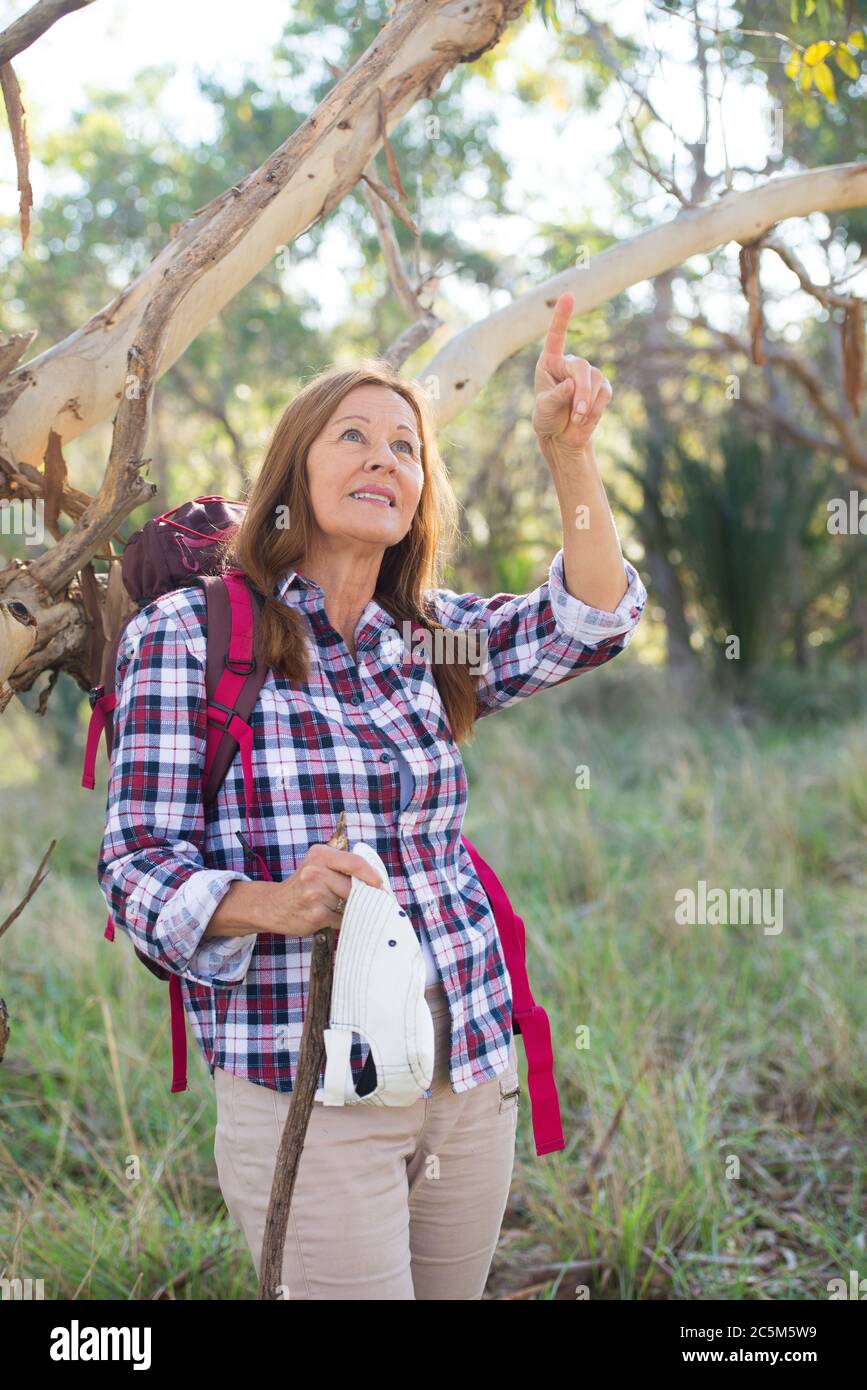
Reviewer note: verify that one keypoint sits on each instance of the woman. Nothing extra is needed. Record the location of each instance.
(342, 539)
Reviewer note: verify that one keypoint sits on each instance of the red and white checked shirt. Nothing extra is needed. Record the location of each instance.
(326, 746)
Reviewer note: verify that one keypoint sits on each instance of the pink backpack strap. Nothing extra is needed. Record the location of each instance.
(102, 705)
(103, 699)
(179, 1034)
(234, 678)
(528, 1018)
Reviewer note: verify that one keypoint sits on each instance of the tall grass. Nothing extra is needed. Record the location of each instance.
(735, 1058)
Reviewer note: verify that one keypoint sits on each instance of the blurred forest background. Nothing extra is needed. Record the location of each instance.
(707, 1041)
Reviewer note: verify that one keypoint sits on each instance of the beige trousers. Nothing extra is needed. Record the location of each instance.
(390, 1202)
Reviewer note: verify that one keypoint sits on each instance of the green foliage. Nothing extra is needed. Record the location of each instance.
(547, 12)
(743, 530)
(820, 8)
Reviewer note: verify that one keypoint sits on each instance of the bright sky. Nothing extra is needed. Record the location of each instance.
(558, 153)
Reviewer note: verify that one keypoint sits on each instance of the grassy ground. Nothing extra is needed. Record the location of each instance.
(715, 1122)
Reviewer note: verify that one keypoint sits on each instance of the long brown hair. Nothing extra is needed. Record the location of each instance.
(264, 550)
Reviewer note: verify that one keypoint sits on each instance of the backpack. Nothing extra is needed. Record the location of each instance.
(178, 549)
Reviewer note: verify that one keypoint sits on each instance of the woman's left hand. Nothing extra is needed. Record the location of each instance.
(571, 395)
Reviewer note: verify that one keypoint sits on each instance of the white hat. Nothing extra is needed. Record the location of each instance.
(378, 992)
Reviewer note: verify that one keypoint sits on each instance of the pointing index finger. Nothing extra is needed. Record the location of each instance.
(556, 337)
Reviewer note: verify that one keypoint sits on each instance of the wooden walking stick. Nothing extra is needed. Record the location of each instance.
(311, 1055)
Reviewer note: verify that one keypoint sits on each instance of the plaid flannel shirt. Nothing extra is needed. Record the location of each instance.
(166, 862)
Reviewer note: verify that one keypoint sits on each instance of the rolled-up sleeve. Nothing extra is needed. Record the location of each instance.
(529, 642)
(151, 865)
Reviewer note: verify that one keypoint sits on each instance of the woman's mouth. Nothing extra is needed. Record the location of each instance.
(372, 497)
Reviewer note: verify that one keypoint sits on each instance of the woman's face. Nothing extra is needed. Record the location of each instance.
(370, 445)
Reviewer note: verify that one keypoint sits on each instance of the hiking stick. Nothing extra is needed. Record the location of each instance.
(311, 1055)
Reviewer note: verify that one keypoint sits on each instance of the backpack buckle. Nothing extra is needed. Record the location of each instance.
(239, 668)
(94, 694)
(229, 713)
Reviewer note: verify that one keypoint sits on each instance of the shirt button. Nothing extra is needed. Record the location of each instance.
(356, 699)
(386, 758)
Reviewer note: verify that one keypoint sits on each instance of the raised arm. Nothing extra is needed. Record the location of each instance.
(571, 397)
(587, 609)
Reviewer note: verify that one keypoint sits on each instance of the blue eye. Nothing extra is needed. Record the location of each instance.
(352, 429)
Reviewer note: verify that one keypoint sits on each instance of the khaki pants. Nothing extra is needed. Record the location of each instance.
(390, 1202)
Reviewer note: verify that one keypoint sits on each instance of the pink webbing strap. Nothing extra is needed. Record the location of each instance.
(102, 707)
(221, 711)
(222, 718)
(527, 1015)
(179, 1034)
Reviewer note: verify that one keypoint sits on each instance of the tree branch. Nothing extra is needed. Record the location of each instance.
(469, 360)
(29, 27)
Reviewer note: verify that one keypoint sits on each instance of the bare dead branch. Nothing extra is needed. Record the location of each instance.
(813, 383)
(584, 1184)
(390, 158)
(391, 201)
(424, 322)
(55, 480)
(20, 144)
(13, 347)
(34, 884)
(749, 263)
(25, 30)
(825, 294)
(852, 342)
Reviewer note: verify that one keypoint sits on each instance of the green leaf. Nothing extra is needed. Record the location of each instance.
(548, 10)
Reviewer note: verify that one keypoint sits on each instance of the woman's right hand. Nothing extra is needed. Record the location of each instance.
(314, 895)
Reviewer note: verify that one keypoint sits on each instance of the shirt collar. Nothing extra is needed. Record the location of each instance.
(294, 587)
(300, 591)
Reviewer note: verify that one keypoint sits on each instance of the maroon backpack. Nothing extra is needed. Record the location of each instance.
(175, 550)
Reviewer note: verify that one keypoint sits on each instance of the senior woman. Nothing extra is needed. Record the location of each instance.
(342, 539)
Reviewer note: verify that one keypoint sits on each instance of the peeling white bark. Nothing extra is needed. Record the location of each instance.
(80, 381)
(463, 366)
